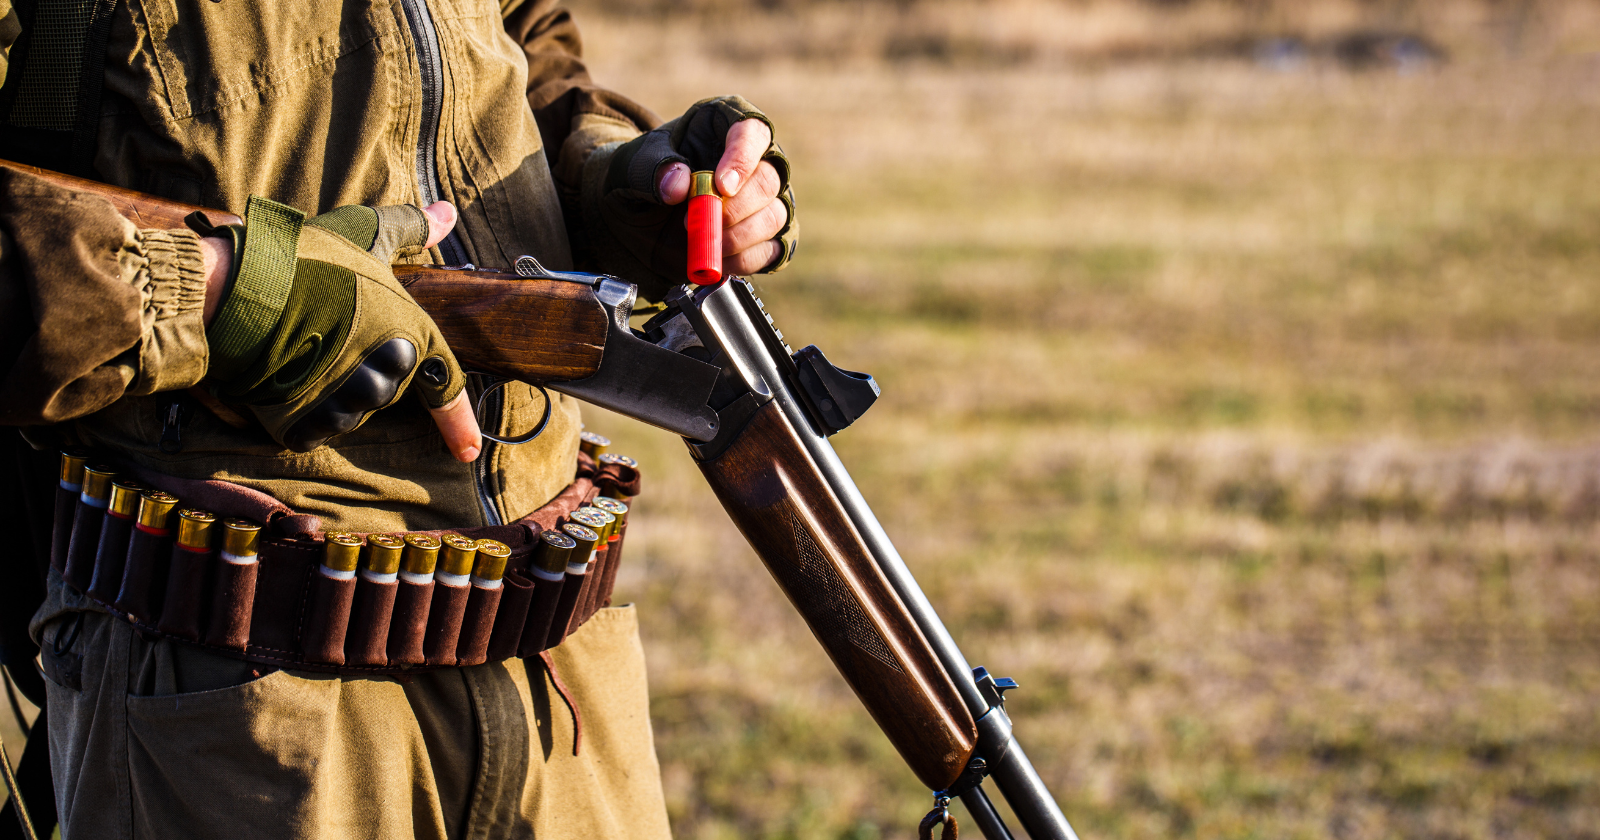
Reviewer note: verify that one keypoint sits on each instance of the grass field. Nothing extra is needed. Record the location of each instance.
(1241, 371)
(1240, 392)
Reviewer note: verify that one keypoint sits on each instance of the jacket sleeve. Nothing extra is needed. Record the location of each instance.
(91, 308)
(576, 117)
(10, 30)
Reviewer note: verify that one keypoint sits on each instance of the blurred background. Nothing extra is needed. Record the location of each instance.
(1241, 370)
(1240, 387)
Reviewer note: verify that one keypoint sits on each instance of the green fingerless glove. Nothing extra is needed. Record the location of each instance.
(643, 239)
(315, 333)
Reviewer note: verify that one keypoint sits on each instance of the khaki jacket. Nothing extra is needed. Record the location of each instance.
(317, 105)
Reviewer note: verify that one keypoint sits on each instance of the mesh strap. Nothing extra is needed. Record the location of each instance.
(48, 97)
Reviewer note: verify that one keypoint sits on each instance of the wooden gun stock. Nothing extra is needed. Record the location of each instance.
(143, 209)
(772, 490)
(495, 322)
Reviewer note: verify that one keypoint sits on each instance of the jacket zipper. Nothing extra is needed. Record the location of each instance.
(431, 65)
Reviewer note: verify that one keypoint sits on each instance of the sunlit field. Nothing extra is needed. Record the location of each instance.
(1240, 400)
(1241, 372)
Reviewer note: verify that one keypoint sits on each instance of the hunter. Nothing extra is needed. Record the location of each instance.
(350, 135)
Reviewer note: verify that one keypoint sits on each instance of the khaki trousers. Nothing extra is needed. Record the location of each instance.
(164, 740)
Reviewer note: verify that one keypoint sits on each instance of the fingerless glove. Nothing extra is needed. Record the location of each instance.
(643, 238)
(315, 334)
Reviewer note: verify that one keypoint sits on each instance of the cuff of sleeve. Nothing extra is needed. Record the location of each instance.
(607, 249)
(590, 133)
(262, 280)
(173, 353)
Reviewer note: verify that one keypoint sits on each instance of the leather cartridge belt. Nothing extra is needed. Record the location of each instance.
(285, 594)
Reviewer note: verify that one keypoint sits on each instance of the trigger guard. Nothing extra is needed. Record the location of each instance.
(537, 430)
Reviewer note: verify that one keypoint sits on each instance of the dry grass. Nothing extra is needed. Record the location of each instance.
(12, 733)
(1239, 402)
(1242, 408)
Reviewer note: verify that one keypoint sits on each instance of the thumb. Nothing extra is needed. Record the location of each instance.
(441, 220)
(458, 424)
(673, 183)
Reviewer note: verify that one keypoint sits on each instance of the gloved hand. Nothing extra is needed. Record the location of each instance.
(638, 195)
(314, 333)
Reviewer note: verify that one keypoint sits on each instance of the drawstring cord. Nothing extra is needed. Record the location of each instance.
(566, 697)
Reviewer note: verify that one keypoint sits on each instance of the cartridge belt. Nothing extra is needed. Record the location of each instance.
(271, 594)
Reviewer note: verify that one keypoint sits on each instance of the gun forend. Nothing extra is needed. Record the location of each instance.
(772, 490)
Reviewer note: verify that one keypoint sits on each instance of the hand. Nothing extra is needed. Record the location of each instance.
(455, 420)
(752, 213)
(637, 202)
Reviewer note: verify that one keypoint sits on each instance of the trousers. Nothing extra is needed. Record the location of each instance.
(158, 739)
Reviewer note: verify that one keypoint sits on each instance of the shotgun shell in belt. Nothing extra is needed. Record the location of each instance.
(421, 554)
(73, 460)
(585, 538)
(458, 554)
(704, 224)
(194, 528)
(608, 522)
(97, 484)
(492, 558)
(622, 460)
(589, 516)
(341, 552)
(125, 495)
(383, 553)
(614, 507)
(155, 509)
(555, 547)
(239, 540)
(592, 444)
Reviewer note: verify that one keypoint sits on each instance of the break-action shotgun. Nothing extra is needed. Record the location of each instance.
(756, 416)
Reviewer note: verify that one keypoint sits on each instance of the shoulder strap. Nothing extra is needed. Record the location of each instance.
(50, 103)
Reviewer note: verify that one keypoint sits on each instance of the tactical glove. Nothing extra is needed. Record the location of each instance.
(647, 235)
(315, 333)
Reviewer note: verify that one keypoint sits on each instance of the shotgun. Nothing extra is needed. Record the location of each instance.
(756, 416)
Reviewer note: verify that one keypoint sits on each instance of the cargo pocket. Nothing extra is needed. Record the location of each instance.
(282, 756)
(615, 775)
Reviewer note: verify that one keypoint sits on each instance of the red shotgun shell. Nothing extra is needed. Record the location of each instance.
(705, 231)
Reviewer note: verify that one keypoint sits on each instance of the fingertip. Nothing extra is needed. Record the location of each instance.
(441, 219)
(674, 184)
(747, 141)
(465, 441)
(459, 426)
